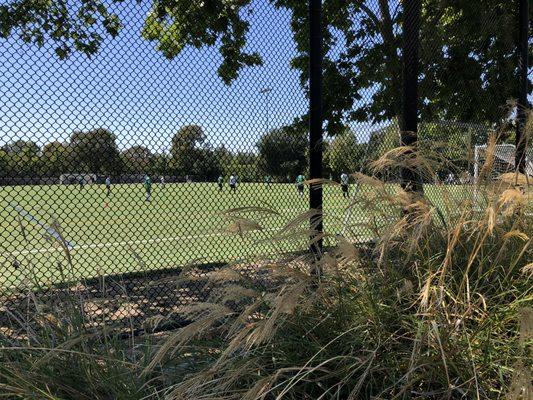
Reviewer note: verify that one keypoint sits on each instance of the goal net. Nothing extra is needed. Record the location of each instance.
(77, 179)
(501, 162)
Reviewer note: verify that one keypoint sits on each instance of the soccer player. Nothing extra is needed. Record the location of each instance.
(108, 186)
(148, 187)
(268, 180)
(220, 183)
(345, 180)
(162, 181)
(300, 184)
(450, 179)
(233, 183)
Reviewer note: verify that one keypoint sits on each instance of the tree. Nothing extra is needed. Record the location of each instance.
(468, 65)
(326, 163)
(137, 160)
(69, 25)
(185, 144)
(23, 156)
(468, 62)
(5, 165)
(95, 151)
(81, 25)
(173, 25)
(55, 159)
(345, 154)
(21, 147)
(452, 143)
(206, 165)
(224, 156)
(282, 152)
(191, 153)
(160, 164)
(244, 165)
(383, 140)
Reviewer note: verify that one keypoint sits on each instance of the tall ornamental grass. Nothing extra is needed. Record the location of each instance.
(437, 306)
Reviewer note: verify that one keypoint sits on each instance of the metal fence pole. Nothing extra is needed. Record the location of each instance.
(409, 118)
(520, 154)
(315, 121)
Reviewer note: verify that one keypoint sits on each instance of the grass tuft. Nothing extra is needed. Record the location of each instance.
(438, 305)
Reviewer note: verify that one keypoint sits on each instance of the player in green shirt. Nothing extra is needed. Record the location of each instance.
(300, 184)
(148, 187)
(220, 182)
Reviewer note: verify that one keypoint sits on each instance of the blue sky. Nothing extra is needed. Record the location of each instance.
(131, 89)
(144, 98)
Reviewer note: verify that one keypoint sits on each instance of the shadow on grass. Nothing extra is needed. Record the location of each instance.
(125, 302)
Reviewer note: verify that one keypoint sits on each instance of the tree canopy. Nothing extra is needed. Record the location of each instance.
(344, 154)
(468, 73)
(282, 152)
(137, 159)
(176, 24)
(468, 58)
(95, 151)
(79, 25)
(55, 159)
(21, 157)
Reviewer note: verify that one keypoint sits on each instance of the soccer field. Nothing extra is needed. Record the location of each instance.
(183, 223)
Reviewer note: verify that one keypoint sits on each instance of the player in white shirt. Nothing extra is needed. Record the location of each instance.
(233, 183)
(450, 179)
(108, 186)
(345, 181)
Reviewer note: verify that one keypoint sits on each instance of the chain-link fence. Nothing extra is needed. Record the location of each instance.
(463, 97)
(142, 138)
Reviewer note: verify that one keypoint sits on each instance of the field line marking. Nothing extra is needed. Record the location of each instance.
(29, 217)
(124, 243)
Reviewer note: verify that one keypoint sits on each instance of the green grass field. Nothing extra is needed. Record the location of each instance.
(123, 233)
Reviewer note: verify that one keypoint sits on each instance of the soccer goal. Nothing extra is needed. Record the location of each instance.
(502, 161)
(77, 179)
(490, 167)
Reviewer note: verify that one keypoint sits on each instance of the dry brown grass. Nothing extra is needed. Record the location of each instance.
(438, 306)
(438, 309)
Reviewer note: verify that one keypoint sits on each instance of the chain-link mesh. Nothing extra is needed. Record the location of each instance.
(467, 77)
(118, 168)
(134, 136)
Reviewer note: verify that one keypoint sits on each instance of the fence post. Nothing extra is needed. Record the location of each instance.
(409, 119)
(522, 106)
(315, 122)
